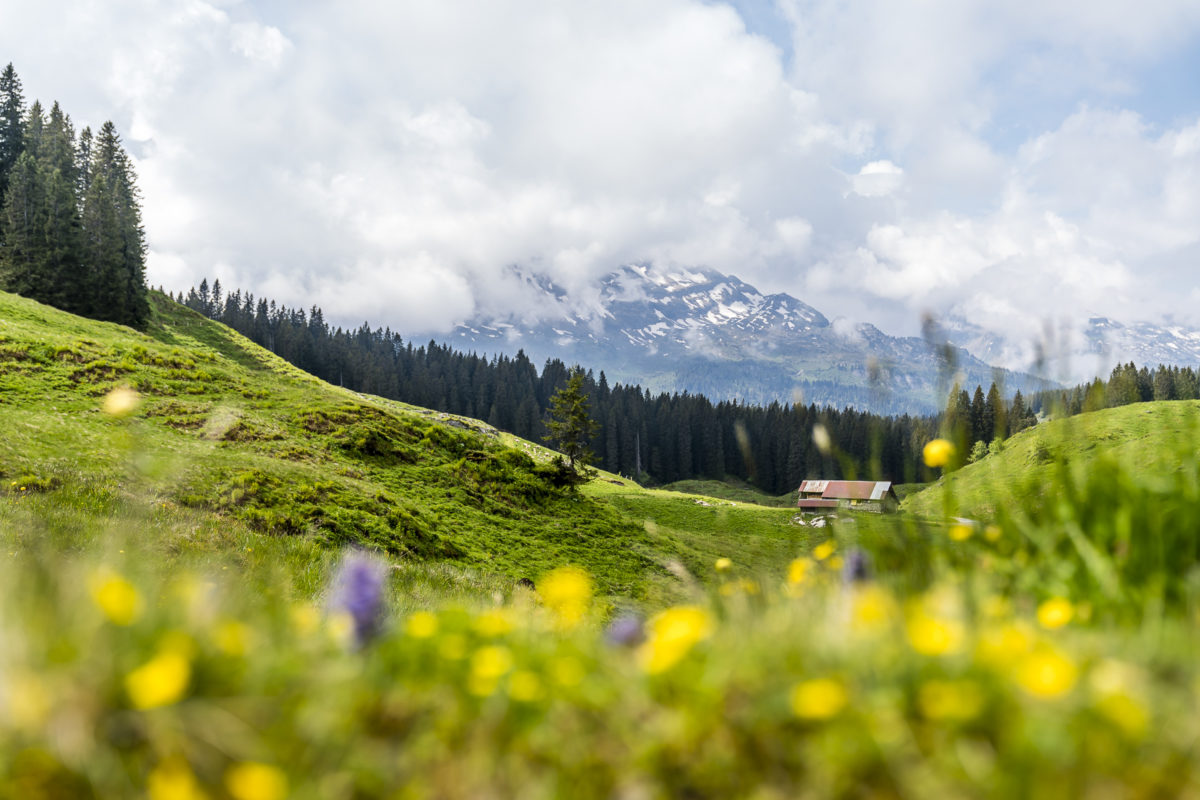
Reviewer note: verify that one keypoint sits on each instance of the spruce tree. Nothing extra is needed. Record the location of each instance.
(23, 223)
(571, 425)
(12, 127)
(115, 243)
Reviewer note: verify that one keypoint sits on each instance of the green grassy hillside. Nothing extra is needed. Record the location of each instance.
(172, 626)
(1143, 438)
(230, 443)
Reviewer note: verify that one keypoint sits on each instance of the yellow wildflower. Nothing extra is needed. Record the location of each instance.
(820, 698)
(723, 564)
(567, 592)
(938, 453)
(116, 597)
(932, 636)
(871, 608)
(956, 700)
(824, 550)
(671, 634)
(421, 625)
(993, 533)
(251, 780)
(798, 571)
(1005, 644)
(488, 665)
(161, 681)
(961, 532)
(120, 402)
(1055, 613)
(173, 780)
(525, 686)
(1046, 673)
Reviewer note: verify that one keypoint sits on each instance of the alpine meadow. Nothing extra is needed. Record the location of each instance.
(249, 551)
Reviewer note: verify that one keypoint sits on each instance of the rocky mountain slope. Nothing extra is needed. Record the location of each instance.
(705, 332)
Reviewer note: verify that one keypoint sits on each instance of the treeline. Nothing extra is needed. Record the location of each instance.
(1127, 384)
(663, 437)
(70, 224)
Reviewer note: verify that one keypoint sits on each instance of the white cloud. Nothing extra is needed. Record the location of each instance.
(393, 160)
(878, 179)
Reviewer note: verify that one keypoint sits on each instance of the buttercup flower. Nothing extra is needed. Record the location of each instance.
(938, 453)
(567, 592)
(1055, 612)
(251, 780)
(161, 681)
(820, 698)
(1046, 673)
(116, 597)
(672, 634)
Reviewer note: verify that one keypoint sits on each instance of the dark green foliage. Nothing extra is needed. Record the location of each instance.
(69, 218)
(571, 426)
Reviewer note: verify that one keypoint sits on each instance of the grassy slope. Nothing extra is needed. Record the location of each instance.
(234, 451)
(1144, 437)
(738, 491)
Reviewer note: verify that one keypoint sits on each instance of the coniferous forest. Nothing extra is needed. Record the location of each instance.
(71, 229)
(661, 438)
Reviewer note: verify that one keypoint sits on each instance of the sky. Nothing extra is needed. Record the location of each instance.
(1012, 165)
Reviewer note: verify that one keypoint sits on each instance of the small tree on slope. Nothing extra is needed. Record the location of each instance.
(571, 425)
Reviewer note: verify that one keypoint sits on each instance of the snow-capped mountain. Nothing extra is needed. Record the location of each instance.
(1078, 353)
(705, 332)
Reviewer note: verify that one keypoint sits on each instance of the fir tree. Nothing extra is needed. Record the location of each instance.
(571, 425)
(12, 127)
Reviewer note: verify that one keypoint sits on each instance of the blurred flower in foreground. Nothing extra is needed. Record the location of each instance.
(961, 532)
(798, 570)
(938, 453)
(421, 625)
(358, 591)
(820, 698)
(1046, 673)
(626, 630)
(161, 681)
(120, 402)
(567, 592)
(824, 550)
(173, 780)
(488, 665)
(1055, 612)
(857, 567)
(723, 564)
(116, 597)
(931, 636)
(251, 780)
(959, 700)
(821, 439)
(672, 634)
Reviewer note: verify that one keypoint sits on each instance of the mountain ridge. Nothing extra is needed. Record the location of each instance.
(703, 331)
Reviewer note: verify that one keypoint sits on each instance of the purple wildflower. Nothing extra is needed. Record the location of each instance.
(358, 590)
(626, 630)
(857, 567)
